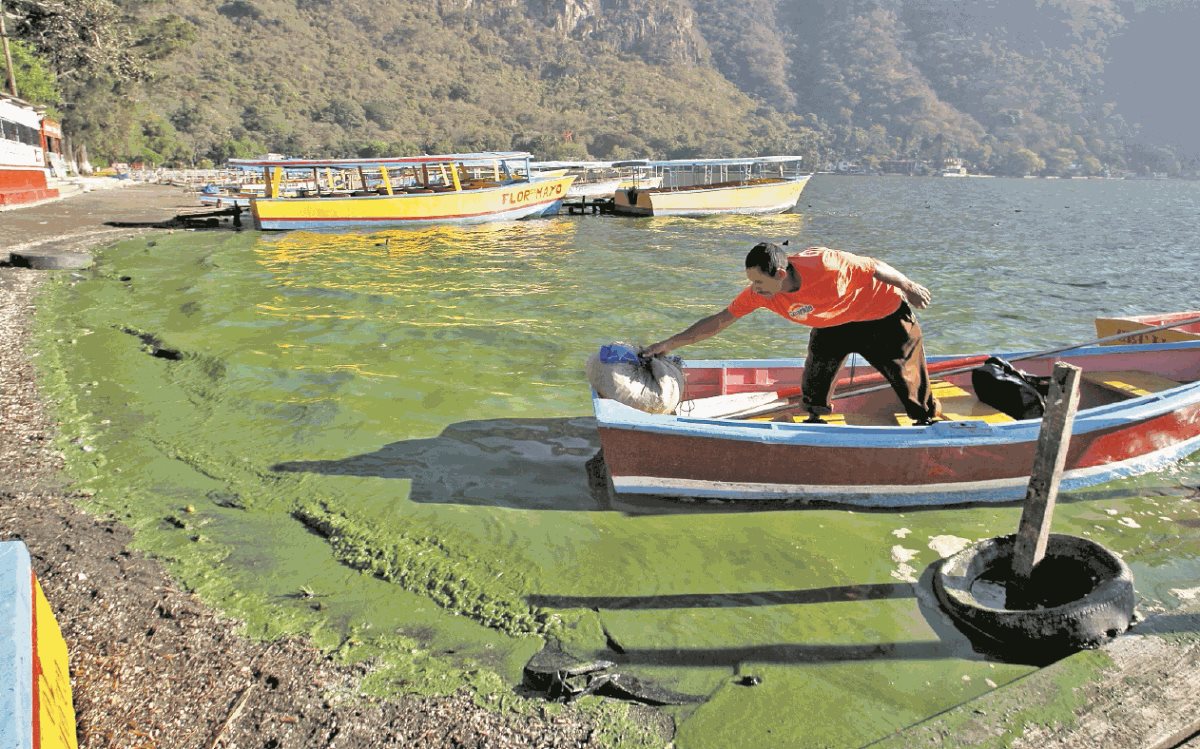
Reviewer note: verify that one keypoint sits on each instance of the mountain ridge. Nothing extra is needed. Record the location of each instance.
(1012, 87)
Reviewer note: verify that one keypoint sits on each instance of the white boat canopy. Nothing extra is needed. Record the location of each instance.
(485, 158)
(669, 163)
(572, 165)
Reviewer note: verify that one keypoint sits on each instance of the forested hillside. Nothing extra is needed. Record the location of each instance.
(1010, 86)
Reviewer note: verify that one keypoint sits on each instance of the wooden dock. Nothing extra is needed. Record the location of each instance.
(584, 206)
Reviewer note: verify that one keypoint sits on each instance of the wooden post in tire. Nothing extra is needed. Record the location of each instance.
(1030, 544)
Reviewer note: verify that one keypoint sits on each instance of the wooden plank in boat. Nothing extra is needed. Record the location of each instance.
(1131, 382)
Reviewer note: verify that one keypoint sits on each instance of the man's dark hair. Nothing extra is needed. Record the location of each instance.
(768, 257)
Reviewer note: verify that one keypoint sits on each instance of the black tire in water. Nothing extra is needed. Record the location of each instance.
(1081, 596)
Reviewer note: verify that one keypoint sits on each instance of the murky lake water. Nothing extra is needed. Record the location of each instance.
(380, 439)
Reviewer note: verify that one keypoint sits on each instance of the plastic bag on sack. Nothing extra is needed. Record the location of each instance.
(653, 385)
(1013, 391)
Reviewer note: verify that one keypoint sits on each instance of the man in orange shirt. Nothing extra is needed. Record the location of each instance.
(854, 304)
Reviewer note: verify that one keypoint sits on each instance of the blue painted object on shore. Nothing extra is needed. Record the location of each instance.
(16, 653)
(36, 710)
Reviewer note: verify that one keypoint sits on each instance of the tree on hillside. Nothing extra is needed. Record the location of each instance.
(36, 83)
(99, 57)
(79, 38)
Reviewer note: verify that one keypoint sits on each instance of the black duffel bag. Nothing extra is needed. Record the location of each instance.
(1005, 388)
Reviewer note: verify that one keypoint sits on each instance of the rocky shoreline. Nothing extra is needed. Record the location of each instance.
(151, 665)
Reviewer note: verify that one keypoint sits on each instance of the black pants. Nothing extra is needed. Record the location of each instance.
(893, 345)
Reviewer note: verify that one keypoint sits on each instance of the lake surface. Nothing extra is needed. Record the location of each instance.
(380, 440)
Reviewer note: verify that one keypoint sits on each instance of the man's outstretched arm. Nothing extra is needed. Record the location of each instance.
(698, 331)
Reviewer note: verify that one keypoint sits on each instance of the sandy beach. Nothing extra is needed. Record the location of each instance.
(151, 665)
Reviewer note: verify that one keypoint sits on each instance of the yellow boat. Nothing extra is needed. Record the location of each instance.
(1186, 327)
(705, 187)
(470, 188)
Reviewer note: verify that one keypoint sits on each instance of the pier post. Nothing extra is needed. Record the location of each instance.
(1048, 462)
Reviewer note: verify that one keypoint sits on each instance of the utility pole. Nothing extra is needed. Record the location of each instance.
(12, 74)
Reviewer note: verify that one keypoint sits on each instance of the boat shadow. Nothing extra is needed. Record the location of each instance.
(529, 464)
(518, 463)
(534, 464)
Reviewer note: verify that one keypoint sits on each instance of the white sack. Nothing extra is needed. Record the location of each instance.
(655, 388)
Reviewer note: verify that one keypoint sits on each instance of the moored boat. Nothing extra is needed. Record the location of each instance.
(226, 198)
(1139, 411)
(1182, 330)
(23, 160)
(706, 187)
(408, 191)
(597, 180)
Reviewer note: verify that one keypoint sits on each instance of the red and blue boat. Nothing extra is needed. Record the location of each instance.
(1139, 411)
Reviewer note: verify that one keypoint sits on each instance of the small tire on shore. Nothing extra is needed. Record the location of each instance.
(52, 260)
(1083, 592)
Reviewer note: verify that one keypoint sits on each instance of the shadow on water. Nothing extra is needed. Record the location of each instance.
(516, 463)
(1173, 623)
(950, 643)
(787, 653)
(865, 592)
(543, 464)
(531, 464)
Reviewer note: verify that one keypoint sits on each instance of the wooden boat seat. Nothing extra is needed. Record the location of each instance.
(959, 405)
(1131, 383)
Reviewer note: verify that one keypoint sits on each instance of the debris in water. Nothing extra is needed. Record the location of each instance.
(948, 545)
(905, 572)
(901, 532)
(1129, 523)
(1186, 594)
(563, 677)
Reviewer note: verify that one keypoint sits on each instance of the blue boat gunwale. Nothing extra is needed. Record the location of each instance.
(611, 414)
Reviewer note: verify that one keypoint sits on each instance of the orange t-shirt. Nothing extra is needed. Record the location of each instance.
(836, 287)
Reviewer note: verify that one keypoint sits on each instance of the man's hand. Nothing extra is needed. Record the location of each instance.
(655, 349)
(917, 295)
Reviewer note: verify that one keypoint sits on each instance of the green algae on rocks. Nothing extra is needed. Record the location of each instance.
(424, 565)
